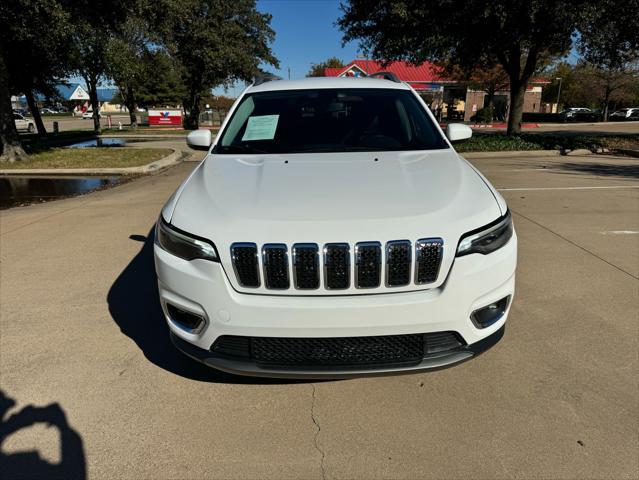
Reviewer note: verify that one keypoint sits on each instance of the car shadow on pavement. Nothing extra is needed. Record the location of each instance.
(135, 306)
(29, 464)
(600, 169)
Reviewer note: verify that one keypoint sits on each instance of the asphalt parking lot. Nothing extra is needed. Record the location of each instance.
(556, 398)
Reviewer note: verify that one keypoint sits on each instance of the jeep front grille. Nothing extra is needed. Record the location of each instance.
(394, 262)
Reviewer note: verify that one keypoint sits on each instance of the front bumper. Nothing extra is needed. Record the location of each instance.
(238, 367)
(201, 287)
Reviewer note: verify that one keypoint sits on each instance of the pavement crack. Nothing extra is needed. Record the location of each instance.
(317, 433)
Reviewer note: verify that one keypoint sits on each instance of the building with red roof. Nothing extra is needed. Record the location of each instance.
(446, 97)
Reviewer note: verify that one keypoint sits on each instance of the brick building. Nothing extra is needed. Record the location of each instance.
(446, 97)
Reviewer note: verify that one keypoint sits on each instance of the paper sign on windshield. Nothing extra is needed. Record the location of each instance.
(260, 128)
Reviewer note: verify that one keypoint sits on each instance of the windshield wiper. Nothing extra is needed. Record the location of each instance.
(241, 149)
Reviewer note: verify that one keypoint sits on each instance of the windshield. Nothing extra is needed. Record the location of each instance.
(329, 120)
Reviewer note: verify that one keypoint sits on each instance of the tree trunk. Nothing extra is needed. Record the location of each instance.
(606, 103)
(515, 113)
(92, 86)
(192, 120)
(10, 146)
(131, 105)
(35, 111)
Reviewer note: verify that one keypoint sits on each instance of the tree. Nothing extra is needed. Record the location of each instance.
(32, 59)
(609, 43)
(162, 83)
(126, 53)
(317, 69)
(94, 25)
(37, 58)
(215, 42)
(517, 34)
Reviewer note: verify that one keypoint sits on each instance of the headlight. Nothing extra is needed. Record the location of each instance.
(487, 239)
(182, 244)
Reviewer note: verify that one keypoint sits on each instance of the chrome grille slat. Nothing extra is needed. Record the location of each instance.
(368, 264)
(306, 266)
(245, 264)
(428, 259)
(275, 262)
(337, 266)
(398, 263)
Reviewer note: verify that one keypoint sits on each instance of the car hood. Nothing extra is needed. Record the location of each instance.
(333, 197)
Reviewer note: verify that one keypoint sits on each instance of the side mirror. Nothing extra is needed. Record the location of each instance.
(199, 139)
(458, 131)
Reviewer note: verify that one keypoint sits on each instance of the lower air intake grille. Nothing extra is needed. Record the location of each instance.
(244, 257)
(344, 352)
(308, 352)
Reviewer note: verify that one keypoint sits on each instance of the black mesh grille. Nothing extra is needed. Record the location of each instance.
(347, 351)
(442, 342)
(428, 255)
(368, 258)
(275, 259)
(337, 264)
(244, 256)
(398, 263)
(362, 352)
(306, 266)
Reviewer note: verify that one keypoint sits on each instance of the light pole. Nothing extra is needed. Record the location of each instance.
(558, 93)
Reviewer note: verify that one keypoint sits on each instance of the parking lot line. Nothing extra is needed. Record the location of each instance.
(608, 187)
(574, 244)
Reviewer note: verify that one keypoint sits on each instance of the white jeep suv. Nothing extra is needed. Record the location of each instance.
(331, 231)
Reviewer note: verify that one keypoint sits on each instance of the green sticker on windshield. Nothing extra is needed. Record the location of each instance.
(260, 128)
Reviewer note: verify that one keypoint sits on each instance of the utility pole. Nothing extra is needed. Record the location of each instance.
(558, 93)
(289, 73)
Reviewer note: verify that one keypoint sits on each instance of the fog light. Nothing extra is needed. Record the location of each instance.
(486, 316)
(187, 320)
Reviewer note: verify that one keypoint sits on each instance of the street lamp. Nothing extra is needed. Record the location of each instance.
(558, 92)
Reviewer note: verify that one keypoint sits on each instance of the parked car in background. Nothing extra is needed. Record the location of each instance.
(580, 114)
(625, 114)
(89, 114)
(23, 124)
(47, 111)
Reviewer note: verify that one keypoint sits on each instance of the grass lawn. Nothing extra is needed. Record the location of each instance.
(499, 142)
(109, 157)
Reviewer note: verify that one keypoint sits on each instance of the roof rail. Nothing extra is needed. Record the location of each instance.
(265, 78)
(386, 75)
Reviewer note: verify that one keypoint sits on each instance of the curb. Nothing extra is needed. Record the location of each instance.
(512, 153)
(168, 161)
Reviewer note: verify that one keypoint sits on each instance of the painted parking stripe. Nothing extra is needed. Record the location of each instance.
(611, 187)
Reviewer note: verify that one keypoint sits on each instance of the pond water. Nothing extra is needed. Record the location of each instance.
(22, 190)
(100, 142)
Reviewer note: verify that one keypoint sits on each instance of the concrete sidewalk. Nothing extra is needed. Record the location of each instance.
(556, 398)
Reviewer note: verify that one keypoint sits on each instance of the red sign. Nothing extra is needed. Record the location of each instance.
(165, 117)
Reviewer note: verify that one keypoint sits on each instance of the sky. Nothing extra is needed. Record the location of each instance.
(305, 33)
